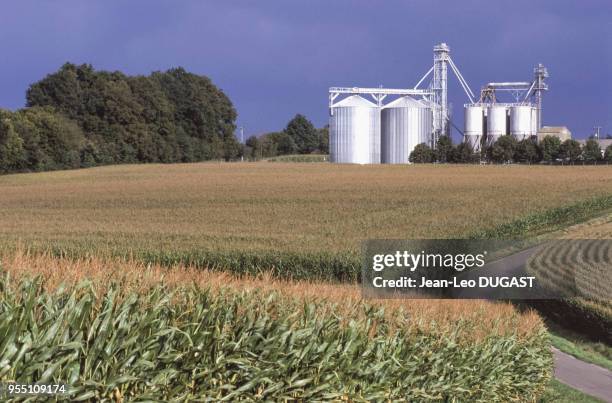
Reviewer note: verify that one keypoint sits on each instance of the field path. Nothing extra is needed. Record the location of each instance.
(588, 378)
(585, 377)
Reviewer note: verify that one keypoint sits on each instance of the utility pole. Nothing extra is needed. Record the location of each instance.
(242, 142)
(597, 129)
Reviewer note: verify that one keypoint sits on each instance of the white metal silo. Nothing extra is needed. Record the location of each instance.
(496, 122)
(474, 126)
(520, 121)
(534, 121)
(404, 123)
(354, 135)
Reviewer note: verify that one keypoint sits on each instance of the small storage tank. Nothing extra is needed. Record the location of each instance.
(474, 126)
(520, 121)
(354, 131)
(496, 122)
(404, 123)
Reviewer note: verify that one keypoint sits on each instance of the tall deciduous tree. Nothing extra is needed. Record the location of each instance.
(570, 150)
(592, 151)
(444, 149)
(503, 149)
(285, 144)
(303, 134)
(323, 134)
(167, 116)
(464, 153)
(550, 147)
(254, 146)
(11, 147)
(608, 154)
(526, 151)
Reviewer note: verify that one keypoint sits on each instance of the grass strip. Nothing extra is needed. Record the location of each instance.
(558, 392)
(583, 349)
(548, 220)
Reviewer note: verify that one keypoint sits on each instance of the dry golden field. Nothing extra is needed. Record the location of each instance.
(277, 206)
(597, 228)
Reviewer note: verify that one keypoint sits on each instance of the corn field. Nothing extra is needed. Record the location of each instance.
(582, 270)
(212, 282)
(185, 335)
(300, 220)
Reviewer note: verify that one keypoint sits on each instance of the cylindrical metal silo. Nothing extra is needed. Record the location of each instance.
(474, 126)
(404, 123)
(354, 132)
(520, 121)
(496, 122)
(534, 122)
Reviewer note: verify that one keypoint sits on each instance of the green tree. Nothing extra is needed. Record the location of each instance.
(167, 116)
(592, 151)
(323, 135)
(231, 148)
(285, 144)
(421, 154)
(303, 134)
(90, 155)
(608, 154)
(464, 154)
(64, 89)
(254, 147)
(570, 150)
(58, 140)
(526, 151)
(269, 144)
(11, 146)
(550, 147)
(503, 149)
(444, 149)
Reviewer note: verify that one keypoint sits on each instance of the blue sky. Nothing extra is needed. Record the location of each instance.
(276, 58)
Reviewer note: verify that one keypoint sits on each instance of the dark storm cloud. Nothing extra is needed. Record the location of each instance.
(277, 58)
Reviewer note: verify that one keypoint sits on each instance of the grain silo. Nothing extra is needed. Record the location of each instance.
(354, 135)
(474, 126)
(496, 122)
(367, 132)
(404, 123)
(520, 121)
(534, 121)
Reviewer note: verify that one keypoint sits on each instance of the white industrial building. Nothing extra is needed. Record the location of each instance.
(386, 129)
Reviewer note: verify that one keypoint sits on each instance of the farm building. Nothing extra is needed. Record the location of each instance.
(561, 132)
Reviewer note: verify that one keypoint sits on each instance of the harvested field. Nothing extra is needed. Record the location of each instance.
(597, 228)
(580, 265)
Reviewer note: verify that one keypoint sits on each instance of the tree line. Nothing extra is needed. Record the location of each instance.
(299, 137)
(80, 117)
(507, 149)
